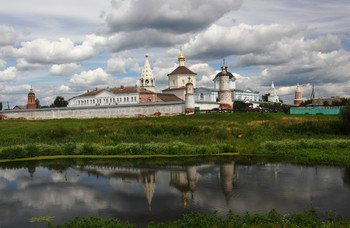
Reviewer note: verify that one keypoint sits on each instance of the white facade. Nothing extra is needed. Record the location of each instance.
(246, 95)
(103, 97)
(147, 80)
(273, 95)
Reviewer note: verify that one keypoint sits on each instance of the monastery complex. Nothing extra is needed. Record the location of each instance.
(181, 97)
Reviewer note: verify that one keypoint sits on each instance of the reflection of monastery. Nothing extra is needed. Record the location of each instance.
(183, 179)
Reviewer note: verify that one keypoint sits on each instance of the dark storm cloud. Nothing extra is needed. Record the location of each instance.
(164, 15)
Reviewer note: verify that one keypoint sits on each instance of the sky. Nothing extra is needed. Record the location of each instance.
(64, 48)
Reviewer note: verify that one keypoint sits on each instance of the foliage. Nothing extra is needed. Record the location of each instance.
(0, 105)
(37, 102)
(265, 97)
(305, 103)
(47, 219)
(325, 103)
(345, 113)
(237, 105)
(202, 134)
(59, 102)
(308, 218)
(341, 102)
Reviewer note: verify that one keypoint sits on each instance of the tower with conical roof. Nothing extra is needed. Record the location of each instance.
(298, 96)
(273, 94)
(147, 80)
(31, 99)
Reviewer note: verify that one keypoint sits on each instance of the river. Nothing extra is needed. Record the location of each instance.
(141, 194)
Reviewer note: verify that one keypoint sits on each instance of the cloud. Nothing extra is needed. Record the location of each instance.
(2, 63)
(165, 15)
(311, 67)
(118, 64)
(8, 36)
(8, 75)
(218, 42)
(61, 51)
(143, 38)
(63, 69)
(91, 78)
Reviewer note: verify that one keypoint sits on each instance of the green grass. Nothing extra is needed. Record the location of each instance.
(308, 218)
(317, 138)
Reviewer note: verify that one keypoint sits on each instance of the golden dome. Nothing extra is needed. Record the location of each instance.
(181, 57)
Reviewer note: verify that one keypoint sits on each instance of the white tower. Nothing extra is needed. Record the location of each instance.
(147, 80)
(273, 95)
(225, 94)
(189, 98)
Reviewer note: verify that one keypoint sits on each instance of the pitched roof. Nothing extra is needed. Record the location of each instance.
(181, 70)
(119, 90)
(20, 107)
(167, 97)
(179, 88)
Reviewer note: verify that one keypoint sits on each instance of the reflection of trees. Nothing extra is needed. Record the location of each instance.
(185, 182)
(346, 176)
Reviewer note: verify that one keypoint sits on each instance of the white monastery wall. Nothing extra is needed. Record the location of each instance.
(134, 110)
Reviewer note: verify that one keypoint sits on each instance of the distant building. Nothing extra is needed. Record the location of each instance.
(147, 80)
(274, 98)
(204, 94)
(113, 96)
(31, 101)
(298, 96)
(178, 79)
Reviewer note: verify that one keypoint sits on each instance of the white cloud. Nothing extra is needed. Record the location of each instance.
(61, 51)
(8, 75)
(63, 69)
(118, 64)
(2, 64)
(8, 36)
(91, 78)
(217, 42)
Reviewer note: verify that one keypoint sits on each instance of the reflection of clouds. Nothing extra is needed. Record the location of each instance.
(69, 175)
(11, 174)
(2, 184)
(258, 188)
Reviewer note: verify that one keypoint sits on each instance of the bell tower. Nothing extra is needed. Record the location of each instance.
(147, 80)
(298, 96)
(31, 99)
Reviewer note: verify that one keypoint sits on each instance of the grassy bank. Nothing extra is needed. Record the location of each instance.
(314, 139)
(271, 219)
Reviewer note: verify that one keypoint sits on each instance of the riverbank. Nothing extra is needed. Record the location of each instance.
(308, 218)
(303, 138)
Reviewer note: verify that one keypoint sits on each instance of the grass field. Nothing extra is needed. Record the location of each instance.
(310, 139)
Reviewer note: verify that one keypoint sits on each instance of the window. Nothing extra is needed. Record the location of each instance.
(201, 96)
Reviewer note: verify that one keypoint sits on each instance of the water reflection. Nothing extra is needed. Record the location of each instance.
(141, 195)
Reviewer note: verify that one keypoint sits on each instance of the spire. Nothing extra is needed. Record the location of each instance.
(147, 80)
(298, 88)
(181, 58)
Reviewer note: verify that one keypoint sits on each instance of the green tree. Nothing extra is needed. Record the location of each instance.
(239, 105)
(0, 105)
(305, 103)
(37, 102)
(326, 103)
(345, 113)
(265, 97)
(59, 102)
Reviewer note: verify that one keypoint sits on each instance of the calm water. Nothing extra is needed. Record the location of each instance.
(141, 194)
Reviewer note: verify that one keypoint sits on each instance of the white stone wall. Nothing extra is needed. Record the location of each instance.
(206, 105)
(137, 110)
